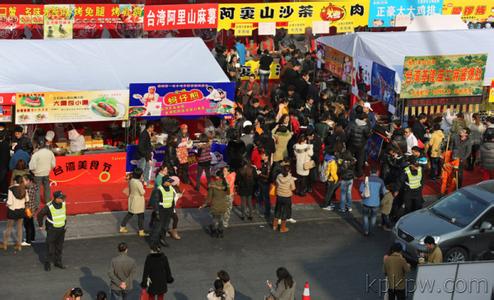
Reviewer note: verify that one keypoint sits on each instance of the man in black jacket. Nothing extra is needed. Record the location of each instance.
(419, 129)
(145, 150)
(357, 133)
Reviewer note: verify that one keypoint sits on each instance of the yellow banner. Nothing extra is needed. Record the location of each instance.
(491, 92)
(470, 10)
(252, 67)
(60, 107)
(284, 13)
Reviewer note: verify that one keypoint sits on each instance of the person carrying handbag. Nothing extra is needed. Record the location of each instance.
(156, 275)
(16, 203)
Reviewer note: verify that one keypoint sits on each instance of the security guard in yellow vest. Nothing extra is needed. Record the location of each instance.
(164, 204)
(56, 218)
(412, 182)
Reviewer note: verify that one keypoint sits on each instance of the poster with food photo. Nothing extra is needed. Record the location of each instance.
(60, 107)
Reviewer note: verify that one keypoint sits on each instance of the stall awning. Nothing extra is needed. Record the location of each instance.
(390, 48)
(103, 64)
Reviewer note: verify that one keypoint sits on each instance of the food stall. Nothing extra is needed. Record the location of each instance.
(93, 77)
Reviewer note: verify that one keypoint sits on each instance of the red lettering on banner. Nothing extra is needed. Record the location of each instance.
(190, 16)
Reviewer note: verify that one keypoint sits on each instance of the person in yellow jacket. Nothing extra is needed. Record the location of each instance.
(434, 255)
(330, 167)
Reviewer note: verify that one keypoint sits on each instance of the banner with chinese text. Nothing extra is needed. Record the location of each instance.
(181, 99)
(443, 76)
(109, 13)
(187, 16)
(61, 107)
(351, 13)
(384, 12)
(252, 67)
(470, 11)
(383, 84)
(491, 92)
(14, 15)
(338, 63)
(58, 21)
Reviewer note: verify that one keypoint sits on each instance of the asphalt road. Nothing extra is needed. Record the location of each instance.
(332, 255)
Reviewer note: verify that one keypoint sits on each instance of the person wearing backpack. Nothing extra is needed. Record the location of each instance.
(329, 174)
(371, 190)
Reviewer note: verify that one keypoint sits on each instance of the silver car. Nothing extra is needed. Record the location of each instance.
(461, 224)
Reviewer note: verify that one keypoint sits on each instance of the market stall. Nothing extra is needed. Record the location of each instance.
(83, 84)
(454, 66)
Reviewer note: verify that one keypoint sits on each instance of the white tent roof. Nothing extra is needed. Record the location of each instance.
(390, 48)
(103, 64)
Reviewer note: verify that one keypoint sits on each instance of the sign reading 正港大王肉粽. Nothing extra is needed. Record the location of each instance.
(443, 76)
(181, 99)
(60, 107)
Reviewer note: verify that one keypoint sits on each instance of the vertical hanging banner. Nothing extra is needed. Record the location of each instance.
(58, 21)
(383, 84)
(383, 13)
(176, 17)
(361, 82)
(338, 63)
(293, 15)
(443, 76)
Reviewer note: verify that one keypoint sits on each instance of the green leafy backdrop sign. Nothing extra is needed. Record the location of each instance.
(443, 76)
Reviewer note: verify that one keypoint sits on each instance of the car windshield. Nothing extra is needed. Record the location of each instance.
(460, 208)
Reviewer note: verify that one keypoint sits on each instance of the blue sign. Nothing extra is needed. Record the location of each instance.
(383, 84)
(374, 145)
(181, 99)
(383, 13)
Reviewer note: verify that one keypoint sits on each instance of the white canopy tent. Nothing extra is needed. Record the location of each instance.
(103, 64)
(390, 48)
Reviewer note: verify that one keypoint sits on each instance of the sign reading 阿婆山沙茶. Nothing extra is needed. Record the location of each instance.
(383, 13)
(295, 16)
(181, 99)
(443, 76)
(186, 16)
(61, 107)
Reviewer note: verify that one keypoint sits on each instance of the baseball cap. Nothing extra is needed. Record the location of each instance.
(247, 123)
(58, 194)
(368, 105)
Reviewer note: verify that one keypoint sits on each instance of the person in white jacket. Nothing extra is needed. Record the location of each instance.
(411, 140)
(41, 164)
(303, 154)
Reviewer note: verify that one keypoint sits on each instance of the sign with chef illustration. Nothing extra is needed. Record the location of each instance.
(61, 107)
(181, 99)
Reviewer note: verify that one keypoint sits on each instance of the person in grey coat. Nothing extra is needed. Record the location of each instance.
(285, 286)
(122, 272)
(487, 158)
(462, 148)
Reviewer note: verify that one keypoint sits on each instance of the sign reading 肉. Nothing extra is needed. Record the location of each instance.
(60, 107)
(181, 99)
(443, 76)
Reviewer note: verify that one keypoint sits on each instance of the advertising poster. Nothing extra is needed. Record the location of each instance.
(338, 63)
(181, 99)
(374, 145)
(5, 113)
(16, 15)
(383, 13)
(176, 17)
(491, 92)
(58, 21)
(361, 77)
(477, 11)
(108, 13)
(383, 84)
(443, 76)
(353, 13)
(61, 107)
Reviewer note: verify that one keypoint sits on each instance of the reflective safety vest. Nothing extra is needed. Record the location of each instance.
(58, 216)
(168, 197)
(414, 180)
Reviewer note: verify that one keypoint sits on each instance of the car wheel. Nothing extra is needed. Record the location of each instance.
(456, 254)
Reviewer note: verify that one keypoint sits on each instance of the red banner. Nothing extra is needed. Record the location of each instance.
(15, 14)
(7, 98)
(190, 16)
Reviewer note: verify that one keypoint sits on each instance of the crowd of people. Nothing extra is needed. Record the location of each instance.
(282, 140)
